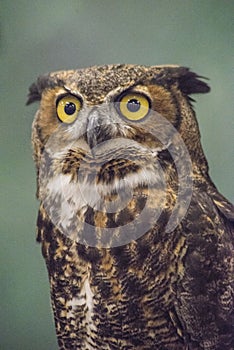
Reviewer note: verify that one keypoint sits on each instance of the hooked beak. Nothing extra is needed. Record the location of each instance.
(99, 128)
(93, 128)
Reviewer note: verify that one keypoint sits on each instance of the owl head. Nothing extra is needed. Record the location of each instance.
(114, 128)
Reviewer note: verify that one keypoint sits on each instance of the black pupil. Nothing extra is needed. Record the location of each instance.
(70, 108)
(133, 105)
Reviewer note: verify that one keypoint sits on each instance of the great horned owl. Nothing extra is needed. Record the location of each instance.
(136, 238)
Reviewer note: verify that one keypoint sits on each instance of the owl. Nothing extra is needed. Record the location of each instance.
(137, 240)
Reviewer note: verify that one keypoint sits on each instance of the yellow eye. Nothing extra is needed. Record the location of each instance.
(134, 106)
(68, 108)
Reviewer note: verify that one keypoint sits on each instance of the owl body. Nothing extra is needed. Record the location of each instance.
(136, 238)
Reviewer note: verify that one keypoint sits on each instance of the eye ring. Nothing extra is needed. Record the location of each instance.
(67, 108)
(133, 106)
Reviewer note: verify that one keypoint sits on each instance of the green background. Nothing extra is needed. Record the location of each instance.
(41, 36)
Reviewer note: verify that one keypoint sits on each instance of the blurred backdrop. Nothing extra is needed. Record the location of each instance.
(41, 36)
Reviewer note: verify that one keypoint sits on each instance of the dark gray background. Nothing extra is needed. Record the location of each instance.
(40, 36)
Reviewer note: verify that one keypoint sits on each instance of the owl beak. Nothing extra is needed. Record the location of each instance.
(99, 128)
(93, 129)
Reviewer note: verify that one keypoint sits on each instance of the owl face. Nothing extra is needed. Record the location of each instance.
(103, 134)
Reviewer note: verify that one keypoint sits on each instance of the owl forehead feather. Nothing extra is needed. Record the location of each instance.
(103, 79)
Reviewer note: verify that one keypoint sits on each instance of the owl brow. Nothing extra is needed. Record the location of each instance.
(72, 91)
(134, 88)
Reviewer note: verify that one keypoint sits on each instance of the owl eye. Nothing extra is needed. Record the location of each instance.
(134, 106)
(68, 108)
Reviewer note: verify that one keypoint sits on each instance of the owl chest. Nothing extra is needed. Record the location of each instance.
(108, 301)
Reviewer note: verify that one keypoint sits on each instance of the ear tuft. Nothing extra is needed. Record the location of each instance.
(43, 82)
(191, 83)
(35, 90)
(33, 94)
(186, 81)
